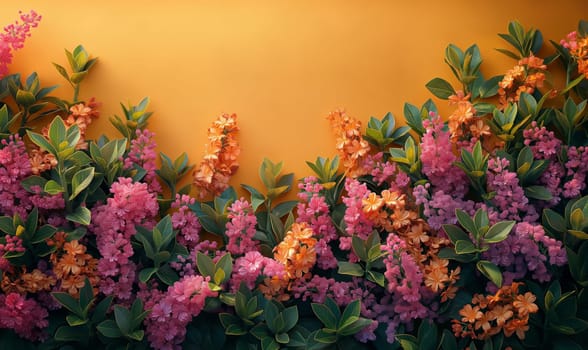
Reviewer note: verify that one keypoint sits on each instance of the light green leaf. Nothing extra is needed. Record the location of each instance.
(81, 215)
(80, 181)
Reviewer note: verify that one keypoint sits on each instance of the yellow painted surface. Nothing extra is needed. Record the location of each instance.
(282, 66)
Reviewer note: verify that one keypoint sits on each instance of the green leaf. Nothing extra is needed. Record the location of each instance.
(146, 274)
(53, 188)
(465, 247)
(455, 233)
(290, 315)
(347, 268)
(136, 335)
(86, 295)
(61, 71)
(325, 337)
(491, 271)
(498, 232)
(282, 338)
(205, 265)
(81, 215)
(353, 328)
(123, 319)
(427, 334)
(25, 98)
(109, 329)
(407, 341)
(80, 181)
(57, 132)
(68, 302)
(101, 309)
(325, 315)
(257, 199)
(440, 88)
(466, 221)
(376, 277)
(74, 320)
(75, 334)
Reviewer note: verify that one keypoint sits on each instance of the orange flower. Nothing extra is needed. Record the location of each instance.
(525, 304)
(68, 264)
(74, 248)
(372, 203)
(73, 284)
(220, 159)
(349, 143)
(518, 326)
(37, 281)
(502, 314)
(470, 314)
(296, 251)
(393, 200)
(436, 280)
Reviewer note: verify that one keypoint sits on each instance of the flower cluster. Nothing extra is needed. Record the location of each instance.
(350, 144)
(173, 310)
(241, 228)
(526, 76)
(114, 224)
(220, 161)
(143, 155)
(506, 311)
(25, 316)
(578, 47)
(14, 36)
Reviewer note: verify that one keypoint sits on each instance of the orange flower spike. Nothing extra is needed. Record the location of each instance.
(470, 314)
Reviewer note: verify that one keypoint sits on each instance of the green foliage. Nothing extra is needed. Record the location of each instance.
(135, 117)
(371, 259)
(213, 216)
(160, 248)
(408, 159)
(382, 133)
(82, 320)
(338, 326)
(479, 235)
(569, 121)
(475, 166)
(327, 174)
(33, 101)
(273, 221)
(79, 63)
(125, 330)
(75, 174)
(219, 273)
(34, 238)
(525, 42)
(171, 172)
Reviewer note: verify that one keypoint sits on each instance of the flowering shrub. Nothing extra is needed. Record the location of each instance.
(469, 231)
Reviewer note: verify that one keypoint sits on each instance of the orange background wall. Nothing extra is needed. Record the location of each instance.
(280, 65)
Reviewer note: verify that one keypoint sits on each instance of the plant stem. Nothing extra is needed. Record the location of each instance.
(76, 93)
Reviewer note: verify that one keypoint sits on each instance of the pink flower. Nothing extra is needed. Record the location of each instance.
(114, 224)
(14, 37)
(24, 316)
(241, 228)
(174, 309)
(142, 153)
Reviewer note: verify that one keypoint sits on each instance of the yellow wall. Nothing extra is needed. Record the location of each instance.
(280, 65)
